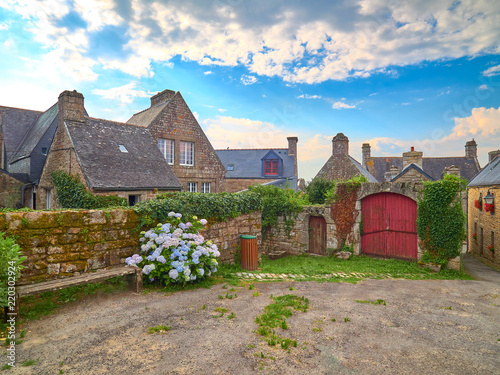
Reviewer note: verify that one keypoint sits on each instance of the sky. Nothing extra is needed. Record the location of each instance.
(395, 74)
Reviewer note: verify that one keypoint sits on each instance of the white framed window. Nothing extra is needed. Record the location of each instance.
(48, 199)
(205, 187)
(187, 153)
(166, 147)
(191, 187)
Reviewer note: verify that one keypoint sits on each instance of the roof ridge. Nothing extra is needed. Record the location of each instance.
(22, 109)
(114, 122)
(152, 106)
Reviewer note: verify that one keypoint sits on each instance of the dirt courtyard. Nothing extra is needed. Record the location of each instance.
(426, 327)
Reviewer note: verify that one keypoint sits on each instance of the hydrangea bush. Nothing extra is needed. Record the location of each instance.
(175, 252)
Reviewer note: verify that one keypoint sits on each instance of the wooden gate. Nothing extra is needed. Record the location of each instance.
(389, 226)
(317, 235)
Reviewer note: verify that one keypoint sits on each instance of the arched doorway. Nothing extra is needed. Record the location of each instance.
(317, 235)
(389, 226)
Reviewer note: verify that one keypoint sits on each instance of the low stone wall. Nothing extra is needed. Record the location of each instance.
(66, 243)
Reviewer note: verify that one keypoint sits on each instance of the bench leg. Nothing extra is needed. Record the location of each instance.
(134, 281)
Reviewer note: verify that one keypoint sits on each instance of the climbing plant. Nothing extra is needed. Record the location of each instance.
(317, 190)
(441, 219)
(71, 193)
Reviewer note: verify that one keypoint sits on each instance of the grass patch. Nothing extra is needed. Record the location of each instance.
(159, 328)
(377, 302)
(29, 362)
(312, 265)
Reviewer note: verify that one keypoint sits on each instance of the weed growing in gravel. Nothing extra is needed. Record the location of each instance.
(377, 302)
(231, 316)
(6, 367)
(159, 328)
(346, 320)
(256, 294)
(251, 287)
(29, 362)
(221, 309)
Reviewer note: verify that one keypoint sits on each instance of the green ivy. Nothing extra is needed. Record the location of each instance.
(71, 193)
(10, 266)
(441, 219)
(213, 206)
(354, 183)
(316, 190)
(278, 202)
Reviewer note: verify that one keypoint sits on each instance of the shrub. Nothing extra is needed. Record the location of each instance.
(316, 190)
(10, 267)
(213, 206)
(71, 193)
(441, 219)
(175, 252)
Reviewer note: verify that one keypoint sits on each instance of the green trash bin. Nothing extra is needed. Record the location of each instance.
(249, 252)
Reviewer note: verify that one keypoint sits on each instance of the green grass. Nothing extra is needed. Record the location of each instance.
(159, 328)
(313, 265)
(377, 302)
(29, 362)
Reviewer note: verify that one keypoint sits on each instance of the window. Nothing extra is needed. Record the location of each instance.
(205, 187)
(187, 153)
(191, 187)
(271, 167)
(167, 149)
(133, 200)
(44, 151)
(230, 167)
(123, 148)
(48, 199)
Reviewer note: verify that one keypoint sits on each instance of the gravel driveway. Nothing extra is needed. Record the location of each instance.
(426, 327)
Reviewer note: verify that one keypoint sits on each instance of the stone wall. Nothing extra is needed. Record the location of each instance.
(10, 191)
(66, 243)
(484, 225)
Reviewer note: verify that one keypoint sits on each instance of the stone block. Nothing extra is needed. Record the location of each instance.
(53, 268)
(78, 266)
(56, 258)
(55, 250)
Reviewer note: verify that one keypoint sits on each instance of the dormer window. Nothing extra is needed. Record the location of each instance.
(230, 167)
(123, 149)
(271, 167)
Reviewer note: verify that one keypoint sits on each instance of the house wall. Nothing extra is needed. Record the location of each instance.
(412, 176)
(238, 184)
(177, 122)
(338, 167)
(66, 243)
(10, 191)
(479, 219)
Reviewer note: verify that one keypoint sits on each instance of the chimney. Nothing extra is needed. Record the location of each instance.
(412, 156)
(292, 151)
(493, 154)
(471, 149)
(366, 149)
(162, 97)
(70, 106)
(340, 145)
(394, 171)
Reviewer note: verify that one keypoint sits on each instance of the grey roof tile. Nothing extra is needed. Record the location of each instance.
(146, 117)
(490, 174)
(97, 145)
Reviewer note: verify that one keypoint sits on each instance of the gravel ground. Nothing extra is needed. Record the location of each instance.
(426, 327)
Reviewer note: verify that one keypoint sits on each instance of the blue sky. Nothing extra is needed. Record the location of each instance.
(395, 74)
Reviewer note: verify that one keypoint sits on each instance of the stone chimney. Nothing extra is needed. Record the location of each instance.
(394, 171)
(70, 106)
(162, 97)
(493, 154)
(292, 151)
(412, 157)
(340, 145)
(454, 170)
(366, 149)
(471, 149)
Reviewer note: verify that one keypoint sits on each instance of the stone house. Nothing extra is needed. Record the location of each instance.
(412, 166)
(340, 165)
(25, 139)
(108, 157)
(182, 142)
(246, 167)
(484, 220)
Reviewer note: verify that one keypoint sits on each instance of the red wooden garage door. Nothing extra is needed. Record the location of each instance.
(389, 226)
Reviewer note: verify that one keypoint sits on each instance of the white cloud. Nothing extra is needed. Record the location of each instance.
(125, 94)
(3, 26)
(306, 96)
(483, 87)
(248, 80)
(493, 71)
(222, 110)
(207, 72)
(342, 105)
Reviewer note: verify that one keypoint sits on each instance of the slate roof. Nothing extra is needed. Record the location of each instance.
(362, 170)
(434, 167)
(490, 175)
(15, 123)
(22, 177)
(35, 134)
(97, 145)
(247, 164)
(146, 117)
(412, 166)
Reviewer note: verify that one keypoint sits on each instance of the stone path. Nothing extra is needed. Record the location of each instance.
(289, 276)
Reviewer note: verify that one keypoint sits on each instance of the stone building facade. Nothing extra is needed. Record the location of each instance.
(183, 142)
(484, 224)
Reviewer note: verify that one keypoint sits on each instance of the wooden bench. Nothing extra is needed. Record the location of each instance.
(133, 276)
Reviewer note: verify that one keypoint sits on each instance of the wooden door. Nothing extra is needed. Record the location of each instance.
(317, 235)
(389, 226)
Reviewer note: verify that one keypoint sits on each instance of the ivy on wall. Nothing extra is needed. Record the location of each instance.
(71, 193)
(343, 197)
(317, 190)
(441, 219)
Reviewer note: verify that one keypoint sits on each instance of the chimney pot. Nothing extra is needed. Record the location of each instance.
(412, 148)
(340, 145)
